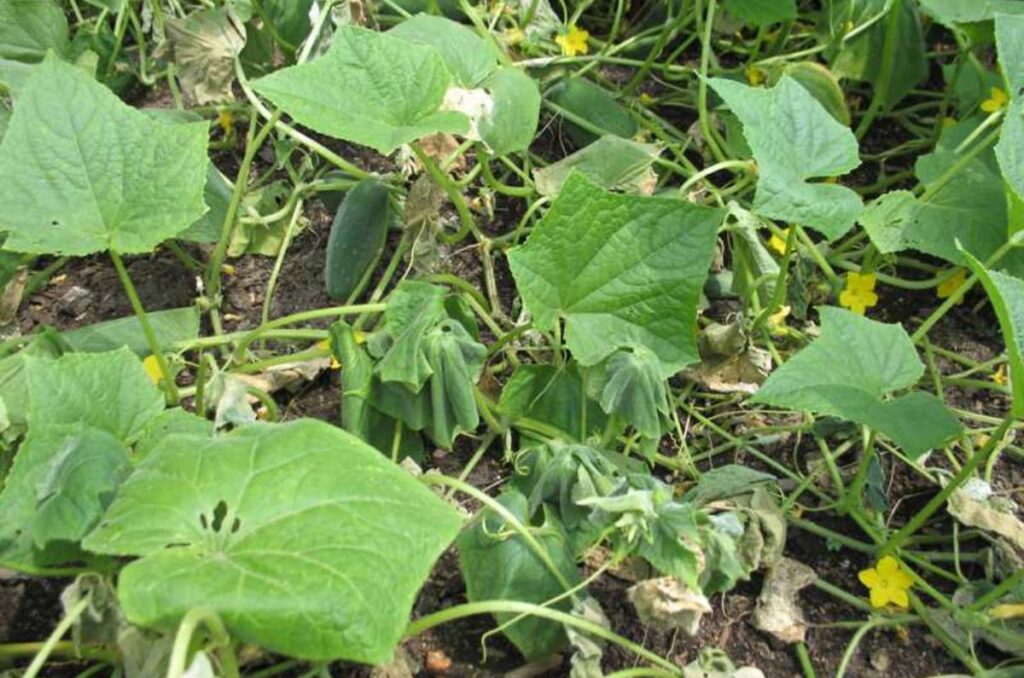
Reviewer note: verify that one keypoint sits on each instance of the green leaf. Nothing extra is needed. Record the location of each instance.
(1010, 149)
(28, 28)
(14, 383)
(794, 139)
(217, 195)
(622, 270)
(171, 327)
(885, 220)
(553, 395)
(169, 422)
(413, 308)
(289, 20)
(823, 86)
(469, 58)
(204, 46)
(848, 371)
(629, 384)
(724, 482)
(860, 58)
(953, 12)
(753, 265)
(455, 361)
(303, 539)
(108, 391)
(761, 12)
(498, 565)
(81, 476)
(511, 122)
(81, 172)
(371, 88)
(611, 162)
(1007, 295)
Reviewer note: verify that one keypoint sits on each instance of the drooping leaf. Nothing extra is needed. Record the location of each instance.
(356, 378)
(501, 566)
(1006, 293)
(611, 162)
(413, 308)
(28, 28)
(761, 12)
(81, 172)
(724, 482)
(170, 326)
(629, 384)
(860, 57)
(204, 46)
(290, 533)
(108, 391)
(754, 268)
(81, 476)
(621, 270)
(455, 361)
(217, 195)
(795, 139)
(469, 57)
(848, 371)
(1010, 149)
(553, 395)
(371, 88)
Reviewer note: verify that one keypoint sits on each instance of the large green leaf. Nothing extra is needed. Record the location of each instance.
(500, 567)
(170, 326)
(109, 391)
(794, 139)
(81, 172)
(1007, 295)
(511, 122)
(621, 270)
(371, 88)
(302, 538)
(469, 58)
(850, 370)
(288, 19)
(860, 58)
(28, 28)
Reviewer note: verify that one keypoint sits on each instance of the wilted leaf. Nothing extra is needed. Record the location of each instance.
(204, 46)
(778, 610)
(667, 603)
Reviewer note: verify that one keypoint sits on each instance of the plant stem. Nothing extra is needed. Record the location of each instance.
(183, 642)
(51, 642)
(167, 382)
(497, 606)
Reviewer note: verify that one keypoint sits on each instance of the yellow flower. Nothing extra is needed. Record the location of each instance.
(948, 122)
(646, 99)
(887, 582)
(778, 243)
(950, 285)
(226, 122)
(325, 345)
(574, 42)
(859, 293)
(999, 376)
(152, 367)
(997, 100)
(755, 76)
(777, 320)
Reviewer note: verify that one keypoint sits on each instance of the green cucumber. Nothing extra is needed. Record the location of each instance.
(357, 237)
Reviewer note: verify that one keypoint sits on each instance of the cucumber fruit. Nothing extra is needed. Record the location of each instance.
(357, 237)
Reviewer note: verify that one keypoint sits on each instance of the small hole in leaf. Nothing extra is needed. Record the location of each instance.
(55, 223)
(219, 513)
(236, 525)
(202, 521)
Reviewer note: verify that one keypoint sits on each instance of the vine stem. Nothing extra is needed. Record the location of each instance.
(466, 223)
(51, 642)
(170, 389)
(183, 642)
(896, 540)
(498, 606)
